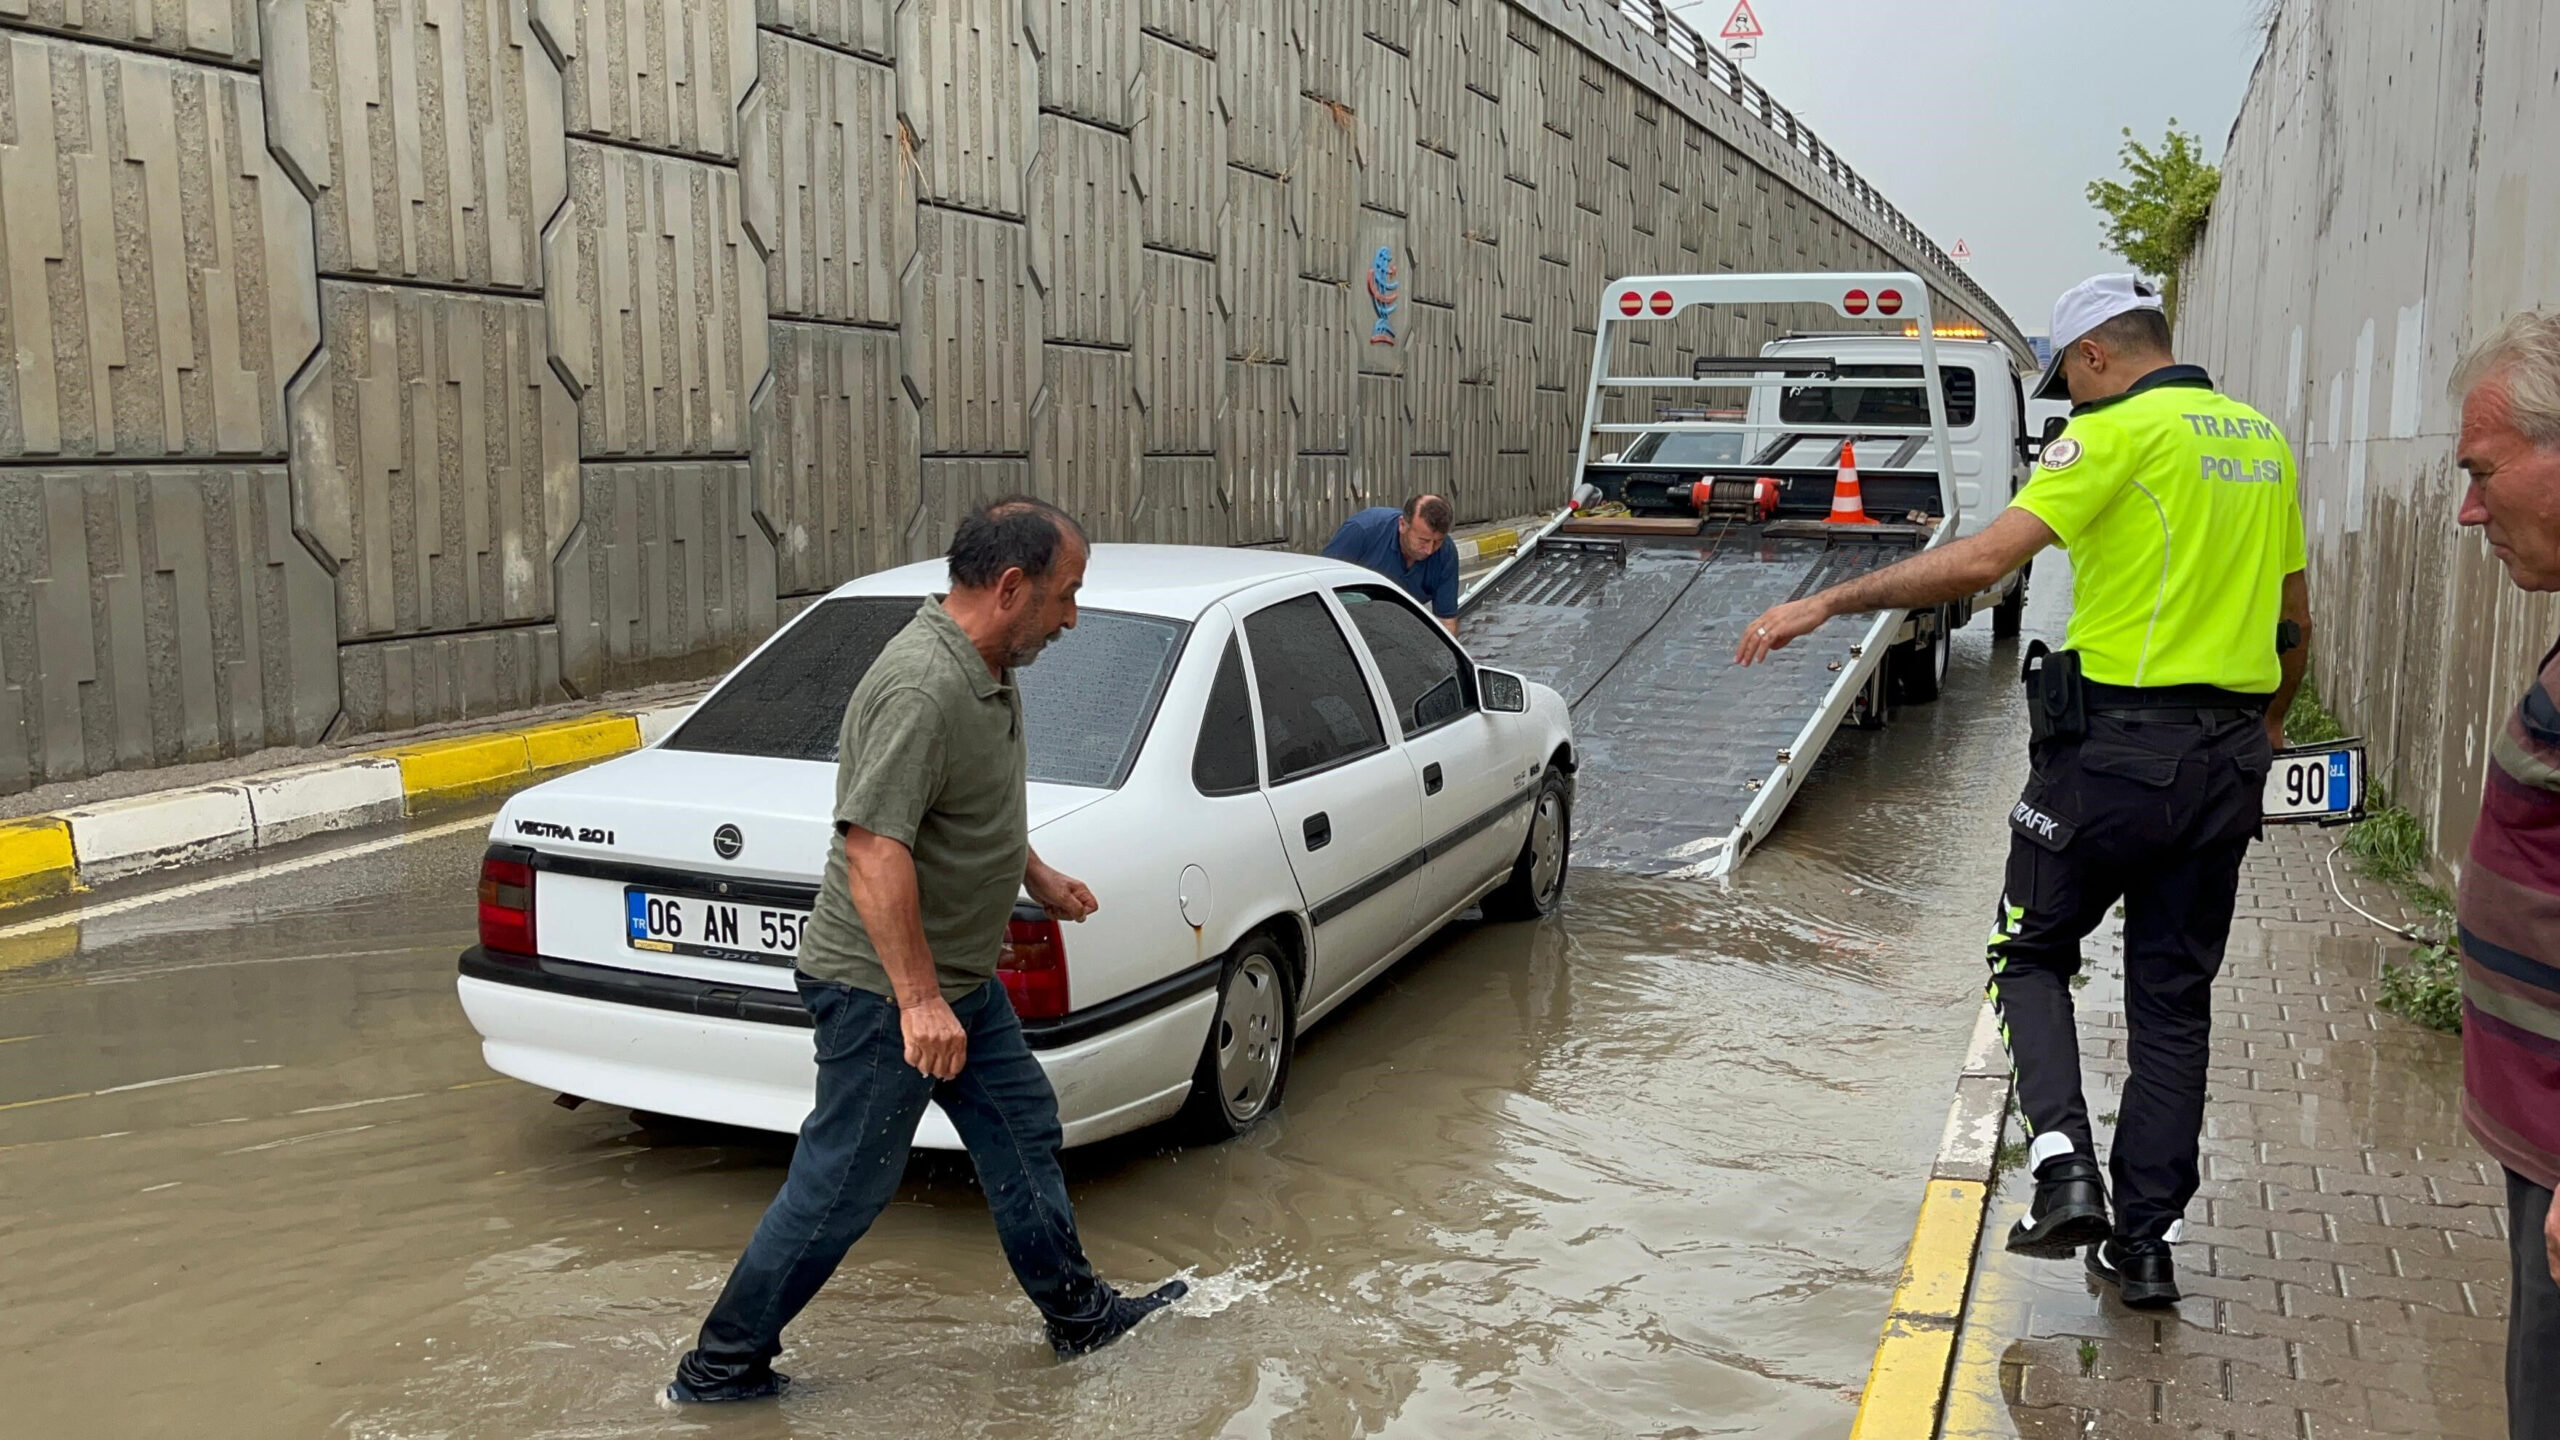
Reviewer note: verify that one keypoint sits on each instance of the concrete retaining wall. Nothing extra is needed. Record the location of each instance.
(2390, 193)
(376, 364)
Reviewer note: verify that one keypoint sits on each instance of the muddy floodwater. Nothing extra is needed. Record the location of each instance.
(1647, 1168)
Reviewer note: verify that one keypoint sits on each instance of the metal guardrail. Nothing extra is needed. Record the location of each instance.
(1691, 49)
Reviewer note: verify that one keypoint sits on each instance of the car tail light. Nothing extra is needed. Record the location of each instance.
(1033, 968)
(506, 905)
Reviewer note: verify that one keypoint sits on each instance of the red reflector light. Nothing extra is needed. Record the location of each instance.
(1631, 303)
(506, 905)
(1661, 302)
(1033, 968)
(1855, 302)
(1888, 302)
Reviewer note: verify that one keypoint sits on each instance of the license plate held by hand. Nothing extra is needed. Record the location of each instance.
(2316, 784)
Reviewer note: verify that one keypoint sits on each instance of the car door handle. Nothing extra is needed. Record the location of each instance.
(1431, 778)
(1319, 830)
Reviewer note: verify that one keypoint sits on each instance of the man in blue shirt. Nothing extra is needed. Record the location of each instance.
(1410, 547)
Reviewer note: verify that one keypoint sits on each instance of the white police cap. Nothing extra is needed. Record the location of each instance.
(2083, 308)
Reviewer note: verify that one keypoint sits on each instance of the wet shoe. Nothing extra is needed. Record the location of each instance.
(1083, 1337)
(2141, 1269)
(701, 1381)
(2070, 1210)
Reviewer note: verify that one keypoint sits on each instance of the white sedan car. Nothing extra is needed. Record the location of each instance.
(1276, 772)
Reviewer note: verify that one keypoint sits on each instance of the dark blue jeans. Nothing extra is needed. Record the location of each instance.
(853, 1150)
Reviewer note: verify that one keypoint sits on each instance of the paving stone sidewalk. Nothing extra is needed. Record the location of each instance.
(2345, 1264)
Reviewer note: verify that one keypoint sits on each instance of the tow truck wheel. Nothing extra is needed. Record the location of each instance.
(1873, 709)
(1244, 1065)
(2010, 615)
(1920, 667)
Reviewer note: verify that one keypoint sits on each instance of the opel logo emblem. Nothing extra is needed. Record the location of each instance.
(726, 842)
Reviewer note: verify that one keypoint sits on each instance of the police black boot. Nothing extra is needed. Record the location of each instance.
(703, 1379)
(2141, 1269)
(2070, 1210)
(1082, 1337)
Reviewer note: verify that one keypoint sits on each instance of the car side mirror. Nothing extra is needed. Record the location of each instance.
(1504, 693)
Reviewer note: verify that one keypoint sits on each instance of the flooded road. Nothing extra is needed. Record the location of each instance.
(1645, 1169)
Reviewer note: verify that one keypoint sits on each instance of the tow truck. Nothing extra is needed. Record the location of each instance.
(1687, 760)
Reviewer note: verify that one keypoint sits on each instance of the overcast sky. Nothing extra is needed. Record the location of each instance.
(1986, 119)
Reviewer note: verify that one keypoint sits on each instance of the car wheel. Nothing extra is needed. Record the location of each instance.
(1244, 1064)
(1536, 885)
(1920, 668)
(2010, 615)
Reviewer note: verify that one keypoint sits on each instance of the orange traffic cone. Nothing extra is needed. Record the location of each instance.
(1846, 506)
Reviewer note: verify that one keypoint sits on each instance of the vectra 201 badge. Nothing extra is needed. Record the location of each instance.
(726, 842)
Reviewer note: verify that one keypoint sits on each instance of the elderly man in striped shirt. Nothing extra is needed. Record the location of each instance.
(2510, 901)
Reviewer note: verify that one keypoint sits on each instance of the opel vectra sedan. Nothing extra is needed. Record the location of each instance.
(1278, 774)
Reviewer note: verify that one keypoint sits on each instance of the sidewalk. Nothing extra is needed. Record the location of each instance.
(2345, 1264)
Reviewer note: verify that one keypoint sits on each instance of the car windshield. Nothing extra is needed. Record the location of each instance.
(1086, 705)
(1688, 447)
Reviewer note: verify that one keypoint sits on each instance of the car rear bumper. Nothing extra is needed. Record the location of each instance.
(743, 1057)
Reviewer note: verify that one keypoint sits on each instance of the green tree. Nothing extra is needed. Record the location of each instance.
(2154, 215)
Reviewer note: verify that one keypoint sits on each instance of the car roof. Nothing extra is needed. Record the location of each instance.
(1177, 581)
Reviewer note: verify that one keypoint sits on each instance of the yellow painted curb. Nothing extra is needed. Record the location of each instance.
(1908, 1383)
(572, 742)
(454, 769)
(35, 859)
(1499, 542)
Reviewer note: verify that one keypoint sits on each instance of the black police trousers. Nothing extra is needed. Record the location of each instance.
(2154, 808)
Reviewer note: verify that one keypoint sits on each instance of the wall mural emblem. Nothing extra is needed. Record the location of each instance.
(1385, 290)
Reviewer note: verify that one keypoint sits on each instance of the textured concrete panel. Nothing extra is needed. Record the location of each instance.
(1484, 29)
(668, 74)
(435, 459)
(656, 303)
(1181, 148)
(1437, 228)
(971, 334)
(1427, 475)
(1327, 35)
(951, 486)
(155, 616)
(211, 29)
(1561, 358)
(967, 87)
(668, 576)
(1085, 438)
(1084, 233)
(1520, 247)
(1088, 52)
(438, 679)
(1511, 380)
(1554, 440)
(1257, 445)
(835, 456)
(1324, 195)
(1481, 189)
(865, 27)
(1384, 439)
(157, 288)
(1390, 22)
(1479, 309)
(1431, 376)
(1192, 24)
(1179, 502)
(1524, 113)
(1257, 255)
(1385, 119)
(1320, 497)
(1560, 215)
(1471, 474)
(1439, 73)
(1258, 86)
(440, 162)
(828, 195)
(1323, 363)
(1179, 350)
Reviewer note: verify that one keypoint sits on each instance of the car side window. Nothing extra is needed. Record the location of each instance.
(1316, 707)
(1425, 677)
(1223, 763)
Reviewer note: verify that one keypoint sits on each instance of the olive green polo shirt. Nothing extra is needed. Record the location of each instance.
(2179, 508)
(931, 756)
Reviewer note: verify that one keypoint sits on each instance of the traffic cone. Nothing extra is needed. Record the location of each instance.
(1846, 506)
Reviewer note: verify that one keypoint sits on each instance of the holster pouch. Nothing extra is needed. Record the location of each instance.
(2057, 701)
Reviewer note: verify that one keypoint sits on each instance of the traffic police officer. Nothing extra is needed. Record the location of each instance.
(2152, 736)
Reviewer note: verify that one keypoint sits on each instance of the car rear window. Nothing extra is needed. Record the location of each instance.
(1086, 705)
(1897, 405)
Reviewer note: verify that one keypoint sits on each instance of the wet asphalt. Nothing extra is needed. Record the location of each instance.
(1646, 1168)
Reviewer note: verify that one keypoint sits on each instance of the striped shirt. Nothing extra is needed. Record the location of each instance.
(2509, 912)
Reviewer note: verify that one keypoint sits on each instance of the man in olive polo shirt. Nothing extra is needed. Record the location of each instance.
(898, 965)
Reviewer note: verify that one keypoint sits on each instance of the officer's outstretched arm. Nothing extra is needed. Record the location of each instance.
(1932, 577)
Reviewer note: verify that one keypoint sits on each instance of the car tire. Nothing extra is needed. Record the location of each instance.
(1920, 667)
(1536, 883)
(1244, 1063)
(2010, 615)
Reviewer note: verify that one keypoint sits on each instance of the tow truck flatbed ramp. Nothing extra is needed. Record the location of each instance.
(1675, 742)
(1684, 759)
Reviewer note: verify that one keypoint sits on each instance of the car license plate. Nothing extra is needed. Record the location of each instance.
(724, 929)
(2318, 784)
